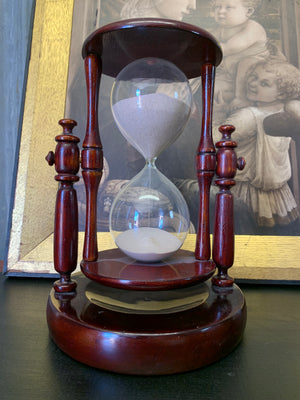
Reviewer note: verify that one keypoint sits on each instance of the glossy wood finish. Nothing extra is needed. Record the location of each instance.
(146, 344)
(205, 163)
(115, 269)
(223, 239)
(92, 156)
(66, 160)
(122, 42)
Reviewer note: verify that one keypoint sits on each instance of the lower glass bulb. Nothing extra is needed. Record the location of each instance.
(149, 218)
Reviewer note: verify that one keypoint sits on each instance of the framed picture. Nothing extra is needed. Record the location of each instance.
(267, 205)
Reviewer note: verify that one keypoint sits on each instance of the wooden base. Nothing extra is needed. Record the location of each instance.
(94, 325)
(114, 268)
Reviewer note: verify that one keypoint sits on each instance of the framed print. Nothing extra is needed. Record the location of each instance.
(257, 89)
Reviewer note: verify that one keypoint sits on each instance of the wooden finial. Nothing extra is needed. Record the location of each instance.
(66, 160)
(223, 245)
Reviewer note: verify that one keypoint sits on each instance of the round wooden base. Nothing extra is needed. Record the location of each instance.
(113, 268)
(127, 337)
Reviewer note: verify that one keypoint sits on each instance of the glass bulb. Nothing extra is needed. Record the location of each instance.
(149, 219)
(151, 103)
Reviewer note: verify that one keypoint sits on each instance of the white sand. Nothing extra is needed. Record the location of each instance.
(148, 244)
(150, 122)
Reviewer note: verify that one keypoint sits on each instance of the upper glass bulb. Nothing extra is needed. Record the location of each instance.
(151, 103)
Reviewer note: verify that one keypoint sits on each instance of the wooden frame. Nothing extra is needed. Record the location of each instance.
(257, 258)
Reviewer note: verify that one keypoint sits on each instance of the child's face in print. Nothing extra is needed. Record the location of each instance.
(229, 13)
(175, 9)
(262, 86)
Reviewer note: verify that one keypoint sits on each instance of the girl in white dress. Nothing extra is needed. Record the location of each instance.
(263, 184)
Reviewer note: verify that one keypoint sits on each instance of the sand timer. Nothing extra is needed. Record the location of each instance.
(151, 103)
(133, 313)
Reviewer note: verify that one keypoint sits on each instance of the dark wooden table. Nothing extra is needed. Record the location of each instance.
(265, 366)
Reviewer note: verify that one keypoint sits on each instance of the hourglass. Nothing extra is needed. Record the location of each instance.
(147, 306)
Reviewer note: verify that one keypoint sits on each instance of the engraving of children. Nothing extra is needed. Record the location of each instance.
(263, 184)
(247, 37)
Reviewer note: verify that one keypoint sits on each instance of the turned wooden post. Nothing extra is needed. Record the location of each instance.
(205, 163)
(92, 156)
(66, 160)
(223, 242)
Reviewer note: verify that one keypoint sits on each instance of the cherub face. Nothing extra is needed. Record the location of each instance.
(229, 13)
(262, 86)
(175, 9)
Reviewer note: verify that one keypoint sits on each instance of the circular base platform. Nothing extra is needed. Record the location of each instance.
(110, 329)
(113, 268)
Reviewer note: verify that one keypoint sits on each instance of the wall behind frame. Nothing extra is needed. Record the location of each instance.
(16, 19)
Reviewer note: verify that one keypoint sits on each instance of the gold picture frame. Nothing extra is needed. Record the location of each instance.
(257, 258)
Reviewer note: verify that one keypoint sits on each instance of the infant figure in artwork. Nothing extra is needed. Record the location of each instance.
(263, 184)
(243, 42)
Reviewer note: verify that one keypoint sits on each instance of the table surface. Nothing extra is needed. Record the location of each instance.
(266, 365)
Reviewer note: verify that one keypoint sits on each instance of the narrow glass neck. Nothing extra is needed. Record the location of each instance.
(150, 162)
